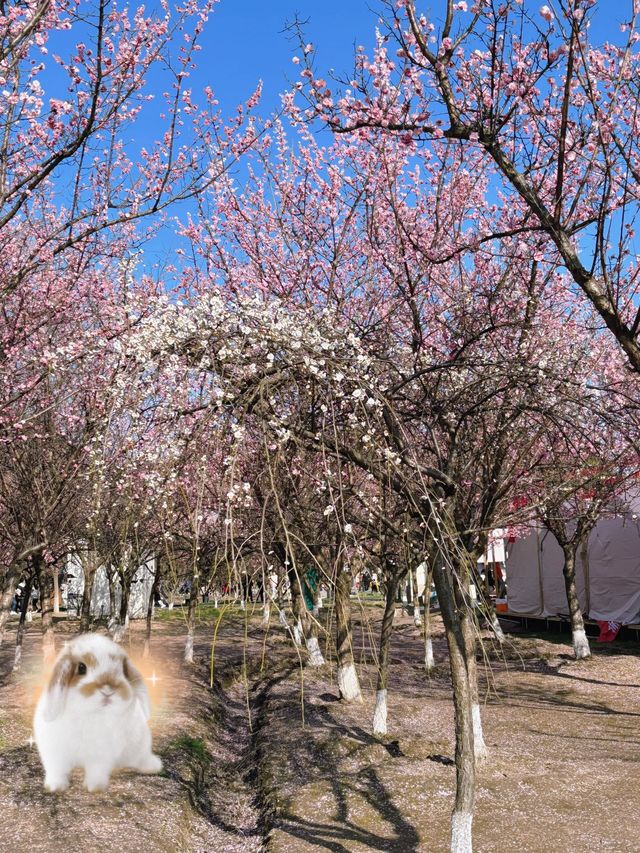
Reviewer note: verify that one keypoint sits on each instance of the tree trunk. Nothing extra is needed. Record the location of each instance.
(125, 584)
(469, 632)
(280, 599)
(492, 619)
(150, 606)
(56, 592)
(191, 613)
(282, 618)
(417, 621)
(380, 712)
(44, 575)
(89, 568)
(11, 579)
(462, 816)
(466, 610)
(316, 658)
(580, 641)
(297, 599)
(24, 609)
(113, 615)
(488, 608)
(429, 660)
(348, 683)
(304, 628)
(122, 617)
(296, 603)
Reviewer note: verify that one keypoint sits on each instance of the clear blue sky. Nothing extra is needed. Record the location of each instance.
(245, 42)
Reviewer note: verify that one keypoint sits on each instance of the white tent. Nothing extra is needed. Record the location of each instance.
(607, 572)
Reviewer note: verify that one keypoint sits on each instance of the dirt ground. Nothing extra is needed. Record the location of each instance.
(269, 760)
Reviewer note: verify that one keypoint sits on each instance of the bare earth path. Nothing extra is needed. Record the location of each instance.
(564, 742)
(203, 802)
(273, 762)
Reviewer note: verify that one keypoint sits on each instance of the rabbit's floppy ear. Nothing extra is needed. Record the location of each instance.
(56, 693)
(138, 686)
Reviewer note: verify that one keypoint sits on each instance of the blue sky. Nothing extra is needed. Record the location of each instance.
(245, 42)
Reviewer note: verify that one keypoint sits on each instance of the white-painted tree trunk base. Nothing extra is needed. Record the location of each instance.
(581, 644)
(188, 649)
(242, 605)
(417, 618)
(266, 615)
(315, 655)
(282, 619)
(118, 633)
(479, 746)
(348, 683)
(29, 616)
(380, 713)
(17, 659)
(171, 605)
(429, 660)
(461, 832)
(297, 633)
(496, 627)
(215, 602)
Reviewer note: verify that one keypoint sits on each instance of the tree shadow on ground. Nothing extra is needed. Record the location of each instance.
(590, 737)
(565, 701)
(572, 674)
(343, 831)
(323, 720)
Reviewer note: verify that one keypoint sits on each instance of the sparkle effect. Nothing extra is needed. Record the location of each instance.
(153, 678)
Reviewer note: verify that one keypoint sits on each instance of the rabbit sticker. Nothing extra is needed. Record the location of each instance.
(93, 715)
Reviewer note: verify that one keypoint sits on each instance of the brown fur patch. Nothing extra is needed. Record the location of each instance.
(116, 684)
(88, 660)
(132, 675)
(62, 674)
(65, 672)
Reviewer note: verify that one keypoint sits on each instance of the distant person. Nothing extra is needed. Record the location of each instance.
(247, 587)
(17, 598)
(273, 585)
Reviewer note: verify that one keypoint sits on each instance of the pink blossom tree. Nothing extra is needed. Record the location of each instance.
(552, 116)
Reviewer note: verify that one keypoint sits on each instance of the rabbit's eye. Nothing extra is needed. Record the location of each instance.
(82, 669)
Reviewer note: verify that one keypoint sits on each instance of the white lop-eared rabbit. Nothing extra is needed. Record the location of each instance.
(93, 714)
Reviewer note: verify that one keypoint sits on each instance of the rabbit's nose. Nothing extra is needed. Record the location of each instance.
(106, 690)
